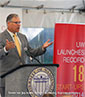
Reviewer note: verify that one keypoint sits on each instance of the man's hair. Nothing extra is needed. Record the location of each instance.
(9, 17)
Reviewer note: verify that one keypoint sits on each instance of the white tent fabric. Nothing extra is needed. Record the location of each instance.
(39, 18)
(43, 13)
(52, 4)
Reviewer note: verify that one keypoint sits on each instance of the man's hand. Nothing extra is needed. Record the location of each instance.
(47, 43)
(9, 45)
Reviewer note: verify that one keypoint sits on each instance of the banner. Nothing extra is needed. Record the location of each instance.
(69, 53)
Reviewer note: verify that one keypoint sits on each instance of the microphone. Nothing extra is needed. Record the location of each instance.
(31, 56)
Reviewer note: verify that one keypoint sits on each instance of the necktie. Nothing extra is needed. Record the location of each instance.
(17, 44)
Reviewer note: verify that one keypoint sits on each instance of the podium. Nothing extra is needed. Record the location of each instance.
(31, 80)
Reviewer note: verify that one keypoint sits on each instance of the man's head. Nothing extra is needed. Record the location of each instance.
(13, 23)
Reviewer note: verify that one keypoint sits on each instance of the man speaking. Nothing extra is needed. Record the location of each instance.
(12, 44)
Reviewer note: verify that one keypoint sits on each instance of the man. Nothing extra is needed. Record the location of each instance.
(12, 47)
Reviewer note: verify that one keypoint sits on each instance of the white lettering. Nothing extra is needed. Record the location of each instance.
(80, 44)
(74, 59)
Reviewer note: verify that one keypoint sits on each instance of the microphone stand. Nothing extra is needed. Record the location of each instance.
(36, 59)
(30, 55)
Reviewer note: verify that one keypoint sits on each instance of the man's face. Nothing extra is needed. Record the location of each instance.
(14, 24)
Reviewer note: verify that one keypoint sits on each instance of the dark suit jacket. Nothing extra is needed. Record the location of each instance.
(12, 59)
